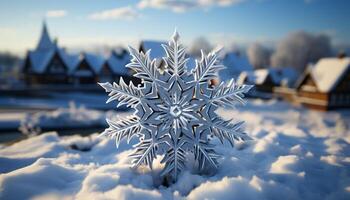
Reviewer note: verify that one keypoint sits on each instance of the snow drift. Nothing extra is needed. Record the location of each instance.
(296, 154)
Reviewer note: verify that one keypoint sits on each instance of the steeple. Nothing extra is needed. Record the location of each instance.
(45, 41)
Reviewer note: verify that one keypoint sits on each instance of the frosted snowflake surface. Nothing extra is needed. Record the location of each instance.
(175, 109)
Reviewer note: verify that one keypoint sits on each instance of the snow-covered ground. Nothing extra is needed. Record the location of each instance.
(295, 154)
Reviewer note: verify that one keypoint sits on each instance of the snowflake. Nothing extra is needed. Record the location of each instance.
(175, 109)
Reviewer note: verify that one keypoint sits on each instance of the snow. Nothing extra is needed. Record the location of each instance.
(279, 76)
(70, 60)
(256, 77)
(95, 61)
(117, 64)
(296, 154)
(66, 117)
(40, 59)
(235, 64)
(328, 71)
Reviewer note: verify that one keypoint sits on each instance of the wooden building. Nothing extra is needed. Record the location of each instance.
(326, 85)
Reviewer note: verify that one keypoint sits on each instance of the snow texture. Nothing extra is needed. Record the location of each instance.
(328, 71)
(175, 110)
(117, 64)
(295, 154)
(236, 64)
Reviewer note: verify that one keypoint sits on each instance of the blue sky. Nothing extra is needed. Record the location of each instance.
(84, 23)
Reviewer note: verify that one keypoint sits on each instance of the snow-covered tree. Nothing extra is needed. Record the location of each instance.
(300, 48)
(258, 55)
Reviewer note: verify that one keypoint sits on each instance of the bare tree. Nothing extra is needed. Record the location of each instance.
(300, 48)
(258, 55)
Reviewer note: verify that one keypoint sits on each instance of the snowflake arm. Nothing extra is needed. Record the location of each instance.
(125, 94)
(144, 153)
(228, 93)
(175, 56)
(119, 130)
(174, 158)
(207, 68)
(224, 129)
(143, 66)
(204, 153)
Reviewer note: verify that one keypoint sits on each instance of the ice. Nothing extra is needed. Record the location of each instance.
(296, 154)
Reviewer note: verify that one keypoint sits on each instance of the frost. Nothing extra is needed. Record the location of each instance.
(175, 109)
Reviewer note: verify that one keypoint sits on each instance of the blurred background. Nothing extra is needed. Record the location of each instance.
(52, 54)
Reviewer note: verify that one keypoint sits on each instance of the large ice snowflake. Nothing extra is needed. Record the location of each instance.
(175, 109)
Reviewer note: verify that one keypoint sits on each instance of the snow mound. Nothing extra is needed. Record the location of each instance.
(296, 154)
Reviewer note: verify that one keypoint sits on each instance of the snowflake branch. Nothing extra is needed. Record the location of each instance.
(228, 94)
(208, 67)
(174, 158)
(123, 128)
(226, 130)
(125, 94)
(143, 66)
(204, 152)
(145, 153)
(175, 59)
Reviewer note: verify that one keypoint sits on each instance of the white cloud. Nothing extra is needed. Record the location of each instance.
(185, 5)
(56, 13)
(127, 13)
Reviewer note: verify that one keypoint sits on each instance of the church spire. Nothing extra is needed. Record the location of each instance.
(45, 41)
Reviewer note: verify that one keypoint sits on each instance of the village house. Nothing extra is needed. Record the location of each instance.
(266, 80)
(50, 64)
(326, 85)
(88, 69)
(116, 63)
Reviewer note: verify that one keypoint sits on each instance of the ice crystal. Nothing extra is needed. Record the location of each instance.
(175, 109)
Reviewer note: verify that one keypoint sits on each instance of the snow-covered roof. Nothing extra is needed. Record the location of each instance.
(235, 64)
(45, 41)
(70, 60)
(277, 75)
(256, 77)
(95, 61)
(117, 64)
(157, 50)
(328, 72)
(40, 59)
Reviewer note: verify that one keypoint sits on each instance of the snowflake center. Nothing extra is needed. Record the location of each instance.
(175, 110)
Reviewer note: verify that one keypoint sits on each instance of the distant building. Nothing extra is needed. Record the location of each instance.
(265, 80)
(50, 64)
(116, 63)
(88, 69)
(326, 85)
